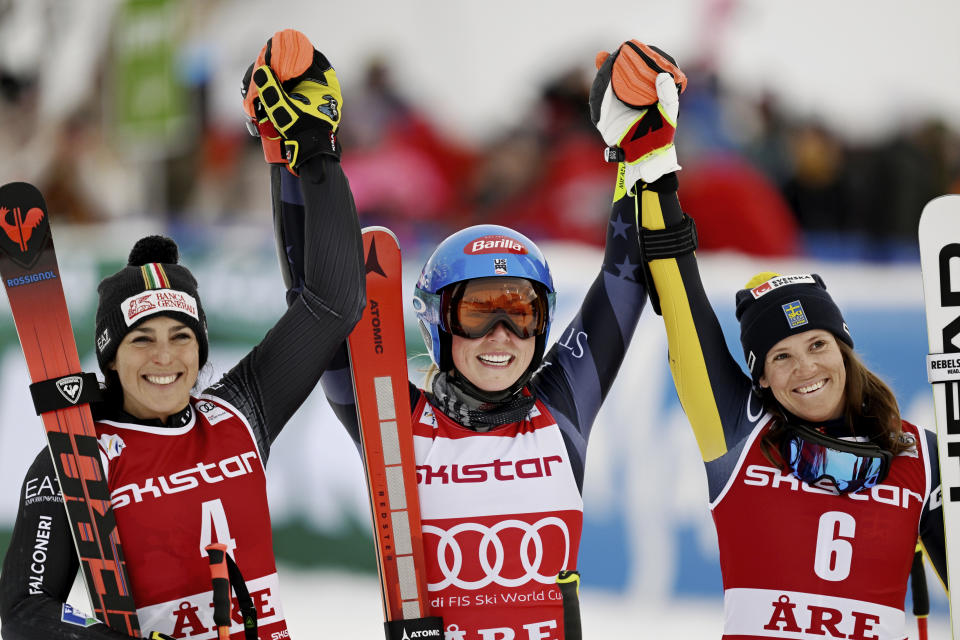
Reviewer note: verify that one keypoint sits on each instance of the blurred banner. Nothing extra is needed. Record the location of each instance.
(150, 101)
(647, 535)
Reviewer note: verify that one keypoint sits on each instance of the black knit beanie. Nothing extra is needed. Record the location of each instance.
(152, 283)
(773, 307)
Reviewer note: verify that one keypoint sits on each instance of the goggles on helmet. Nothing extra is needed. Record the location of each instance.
(471, 308)
(850, 466)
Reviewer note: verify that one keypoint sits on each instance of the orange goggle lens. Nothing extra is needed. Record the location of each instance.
(472, 308)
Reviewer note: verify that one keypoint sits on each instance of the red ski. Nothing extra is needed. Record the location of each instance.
(61, 392)
(378, 359)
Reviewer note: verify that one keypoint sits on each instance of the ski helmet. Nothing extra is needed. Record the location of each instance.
(480, 251)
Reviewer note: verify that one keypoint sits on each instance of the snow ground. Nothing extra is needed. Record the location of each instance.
(328, 604)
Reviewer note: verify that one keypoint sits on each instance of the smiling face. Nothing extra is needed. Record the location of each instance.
(157, 363)
(807, 375)
(495, 361)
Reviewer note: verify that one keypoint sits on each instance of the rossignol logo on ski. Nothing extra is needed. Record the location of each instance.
(70, 388)
(25, 229)
(494, 244)
(27, 257)
(30, 278)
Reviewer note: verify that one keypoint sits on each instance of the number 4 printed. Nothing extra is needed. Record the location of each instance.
(834, 551)
(214, 521)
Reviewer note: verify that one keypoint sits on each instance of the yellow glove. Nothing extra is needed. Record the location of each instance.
(294, 87)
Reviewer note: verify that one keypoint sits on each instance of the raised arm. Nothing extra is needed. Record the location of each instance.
(712, 388)
(328, 293)
(580, 367)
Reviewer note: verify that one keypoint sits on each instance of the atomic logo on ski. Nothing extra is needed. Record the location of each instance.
(70, 388)
(25, 229)
(373, 264)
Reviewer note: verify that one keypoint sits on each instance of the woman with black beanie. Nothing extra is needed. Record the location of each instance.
(819, 490)
(185, 466)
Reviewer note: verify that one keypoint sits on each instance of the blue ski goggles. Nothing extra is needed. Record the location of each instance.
(850, 466)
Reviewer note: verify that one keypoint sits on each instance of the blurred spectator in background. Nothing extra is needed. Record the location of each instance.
(815, 188)
(405, 174)
(737, 206)
(80, 81)
(549, 181)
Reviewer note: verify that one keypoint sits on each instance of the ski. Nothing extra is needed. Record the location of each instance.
(378, 360)
(61, 391)
(939, 236)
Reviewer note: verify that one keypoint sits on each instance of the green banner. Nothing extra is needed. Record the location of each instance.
(150, 99)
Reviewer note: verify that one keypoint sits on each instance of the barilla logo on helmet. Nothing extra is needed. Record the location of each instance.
(781, 281)
(494, 244)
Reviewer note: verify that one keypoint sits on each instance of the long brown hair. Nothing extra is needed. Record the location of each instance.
(870, 410)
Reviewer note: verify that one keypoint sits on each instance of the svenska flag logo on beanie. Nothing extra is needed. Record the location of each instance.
(794, 313)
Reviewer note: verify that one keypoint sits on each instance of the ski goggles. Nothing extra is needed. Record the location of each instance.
(472, 308)
(850, 466)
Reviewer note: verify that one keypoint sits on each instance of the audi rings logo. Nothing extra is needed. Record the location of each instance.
(490, 538)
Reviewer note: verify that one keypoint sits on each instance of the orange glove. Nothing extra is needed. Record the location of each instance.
(634, 103)
(292, 97)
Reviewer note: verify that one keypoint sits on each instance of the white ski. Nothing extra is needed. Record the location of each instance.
(940, 263)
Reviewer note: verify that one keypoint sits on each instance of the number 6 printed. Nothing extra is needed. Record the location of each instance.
(834, 551)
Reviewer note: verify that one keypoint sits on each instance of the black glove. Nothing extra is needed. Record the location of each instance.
(293, 86)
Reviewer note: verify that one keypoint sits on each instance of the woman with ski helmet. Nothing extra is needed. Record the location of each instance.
(484, 301)
(185, 465)
(818, 489)
(500, 434)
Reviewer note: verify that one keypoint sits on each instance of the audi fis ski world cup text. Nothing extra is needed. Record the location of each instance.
(487, 600)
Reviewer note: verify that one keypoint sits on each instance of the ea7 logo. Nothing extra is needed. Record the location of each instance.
(70, 388)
